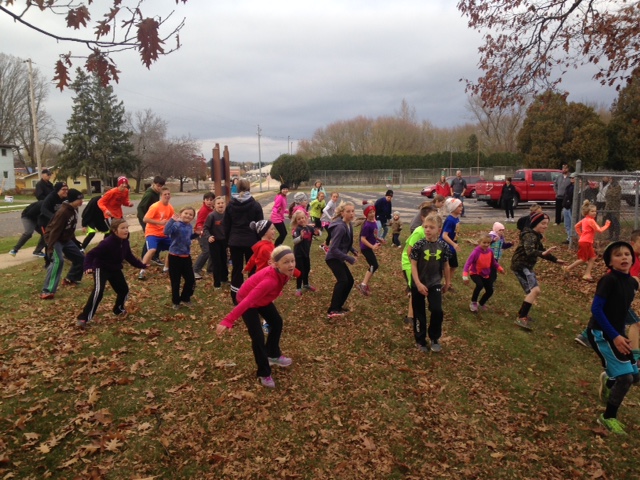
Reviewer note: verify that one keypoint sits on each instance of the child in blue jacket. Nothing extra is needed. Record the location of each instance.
(180, 230)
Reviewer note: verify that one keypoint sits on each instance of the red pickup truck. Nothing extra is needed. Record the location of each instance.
(532, 185)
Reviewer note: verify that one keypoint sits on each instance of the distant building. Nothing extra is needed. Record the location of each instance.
(7, 173)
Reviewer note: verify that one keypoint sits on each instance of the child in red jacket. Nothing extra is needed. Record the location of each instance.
(255, 299)
(261, 250)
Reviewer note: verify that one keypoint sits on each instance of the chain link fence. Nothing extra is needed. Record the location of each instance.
(616, 195)
(400, 178)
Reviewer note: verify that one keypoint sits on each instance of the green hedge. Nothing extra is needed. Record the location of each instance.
(432, 160)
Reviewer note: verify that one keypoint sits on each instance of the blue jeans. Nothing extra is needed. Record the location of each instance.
(383, 229)
(460, 197)
(566, 214)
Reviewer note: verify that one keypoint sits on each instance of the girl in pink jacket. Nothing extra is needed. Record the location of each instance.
(278, 212)
(255, 299)
(479, 266)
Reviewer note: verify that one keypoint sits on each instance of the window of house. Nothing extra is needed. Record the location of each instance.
(77, 182)
(4, 152)
(5, 174)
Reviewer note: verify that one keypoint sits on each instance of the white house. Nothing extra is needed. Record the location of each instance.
(7, 174)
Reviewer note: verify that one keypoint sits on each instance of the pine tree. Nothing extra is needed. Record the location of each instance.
(96, 142)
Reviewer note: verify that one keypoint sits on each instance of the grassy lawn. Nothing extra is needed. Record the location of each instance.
(159, 396)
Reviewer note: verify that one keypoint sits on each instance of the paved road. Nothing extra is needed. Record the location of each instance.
(404, 202)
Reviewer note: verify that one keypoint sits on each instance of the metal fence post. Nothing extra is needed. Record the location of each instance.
(576, 198)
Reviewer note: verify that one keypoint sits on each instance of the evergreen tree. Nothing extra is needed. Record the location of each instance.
(556, 132)
(290, 169)
(624, 127)
(96, 142)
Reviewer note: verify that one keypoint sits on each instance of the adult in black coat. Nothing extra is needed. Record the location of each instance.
(241, 211)
(44, 186)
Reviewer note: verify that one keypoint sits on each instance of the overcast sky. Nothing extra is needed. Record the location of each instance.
(289, 66)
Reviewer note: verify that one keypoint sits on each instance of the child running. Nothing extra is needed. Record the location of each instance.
(497, 241)
(480, 266)
(105, 263)
(587, 229)
(450, 230)
(255, 298)
(328, 213)
(612, 300)
(396, 227)
(302, 237)
(338, 256)
(429, 267)
(213, 231)
(179, 229)
(525, 258)
(369, 245)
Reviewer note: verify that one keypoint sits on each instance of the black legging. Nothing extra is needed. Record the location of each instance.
(239, 257)
(282, 233)
(262, 350)
(482, 283)
(343, 286)
(304, 265)
(179, 268)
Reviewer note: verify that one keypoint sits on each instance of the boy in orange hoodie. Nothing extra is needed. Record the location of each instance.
(111, 202)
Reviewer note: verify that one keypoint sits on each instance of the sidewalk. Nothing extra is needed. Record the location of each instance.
(26, 253)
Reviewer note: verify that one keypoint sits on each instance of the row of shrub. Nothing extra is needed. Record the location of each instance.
(432, 160)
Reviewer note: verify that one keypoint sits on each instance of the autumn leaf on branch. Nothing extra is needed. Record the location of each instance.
(78, 16)
(121, 28)
(150, 42)
(62, 75)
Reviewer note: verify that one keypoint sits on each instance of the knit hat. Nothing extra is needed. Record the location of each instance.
(123, 181)
(58, 186)
(606, 256)
(283, 186)
(261, 227)
(497, 227)
(389, 193)
(368, 210)
(300, 197)
(74, 195)
(536, 218)
(452, 204)
(396, 214)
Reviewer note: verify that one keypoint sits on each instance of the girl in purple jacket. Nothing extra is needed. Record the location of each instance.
(105, 263)
(278, 212)
(479, 265)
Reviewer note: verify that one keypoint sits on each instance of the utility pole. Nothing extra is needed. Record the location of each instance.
(259, 157)
(34, 120)
(288, 141)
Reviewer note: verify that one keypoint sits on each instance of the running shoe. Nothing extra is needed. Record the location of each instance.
(612, 424)
(281, 361)
(603, 391)
(267, 382)
(582, 340)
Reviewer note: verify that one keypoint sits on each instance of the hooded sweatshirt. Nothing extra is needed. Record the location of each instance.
(62, 227)
(110, 253)
(241, 211)
(341, 242)
(261, 255)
